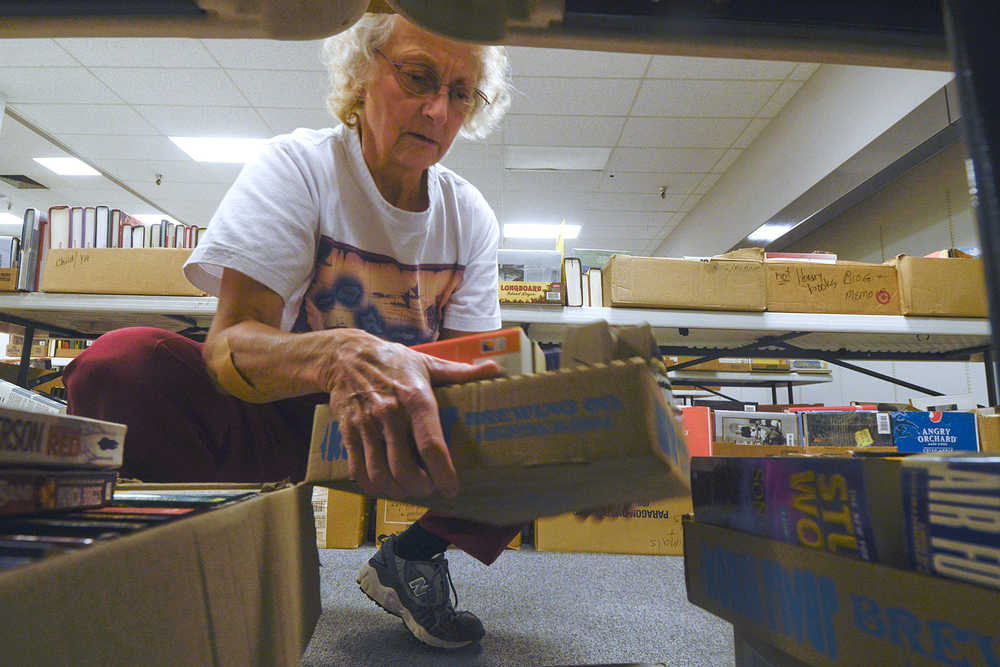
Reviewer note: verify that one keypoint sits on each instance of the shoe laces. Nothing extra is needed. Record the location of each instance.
(443, 564)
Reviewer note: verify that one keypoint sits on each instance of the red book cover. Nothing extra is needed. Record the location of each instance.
(697, 421)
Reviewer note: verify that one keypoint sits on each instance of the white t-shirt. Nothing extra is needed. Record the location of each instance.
(306, 220)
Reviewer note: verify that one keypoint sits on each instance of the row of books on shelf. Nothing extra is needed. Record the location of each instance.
(47, 346)
(86, 227)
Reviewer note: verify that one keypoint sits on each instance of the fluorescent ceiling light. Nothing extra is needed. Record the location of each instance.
(67, 166)
(531, 231)
(219, 149)
(768, 232)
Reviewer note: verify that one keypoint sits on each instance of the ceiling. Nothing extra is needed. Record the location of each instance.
(591, 137)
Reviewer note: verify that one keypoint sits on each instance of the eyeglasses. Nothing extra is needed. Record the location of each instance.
(422, 81)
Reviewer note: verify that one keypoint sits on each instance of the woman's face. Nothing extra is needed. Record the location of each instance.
(405, 133)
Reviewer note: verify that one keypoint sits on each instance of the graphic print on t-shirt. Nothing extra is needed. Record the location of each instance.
(353, 288)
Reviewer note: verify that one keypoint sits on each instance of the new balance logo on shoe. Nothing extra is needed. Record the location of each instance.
(419, 587)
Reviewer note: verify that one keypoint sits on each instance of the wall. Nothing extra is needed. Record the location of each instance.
(928, 208)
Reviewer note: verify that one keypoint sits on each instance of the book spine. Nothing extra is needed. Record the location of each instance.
(32, 439)
(31, 491)
(811, 502)
(952, 518)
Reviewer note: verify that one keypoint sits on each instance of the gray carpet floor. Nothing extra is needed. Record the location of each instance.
(538, 609)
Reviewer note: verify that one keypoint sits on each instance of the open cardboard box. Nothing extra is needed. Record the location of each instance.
(544, 444)
(238, 585)
(150, 271)
(942, 286)
(826, 609)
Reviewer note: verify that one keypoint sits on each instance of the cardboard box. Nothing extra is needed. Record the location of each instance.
(826, 609)
(651, 528)
(541, 445)
(153, 271)
(753, 652)
(723, 448)
(989, 431)
(392, 517)
(341, 518)
(727, 282)
(844, 287)
(8, 279)
(234, 586)
(942, 286)
(757, 428)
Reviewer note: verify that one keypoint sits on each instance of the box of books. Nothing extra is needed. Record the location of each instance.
(931, 432)
(530, 276)
(341, 518)
(152, 271)
(647, 528)
(543, 444)
(734, 281)
(942, 286)
(845, 505)
(844, 287)
(824, 609)
(756, 428)
(201, 575)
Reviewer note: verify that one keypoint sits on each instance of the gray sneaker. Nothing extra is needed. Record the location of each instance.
(418, 592)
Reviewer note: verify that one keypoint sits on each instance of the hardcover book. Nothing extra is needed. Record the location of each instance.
(32, 439)
(952, 507)
(844, 505)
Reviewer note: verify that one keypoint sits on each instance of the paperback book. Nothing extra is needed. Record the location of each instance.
(952, 509)
(848, 506)
(37, 439)
(30, 491)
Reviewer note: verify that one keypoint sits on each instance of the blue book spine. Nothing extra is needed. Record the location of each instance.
(952, 514)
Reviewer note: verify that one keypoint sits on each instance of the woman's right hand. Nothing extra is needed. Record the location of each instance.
(382, 395)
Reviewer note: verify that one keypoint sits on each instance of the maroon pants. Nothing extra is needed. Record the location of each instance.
(181, 428)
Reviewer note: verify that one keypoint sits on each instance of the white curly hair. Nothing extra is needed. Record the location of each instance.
(348, 57)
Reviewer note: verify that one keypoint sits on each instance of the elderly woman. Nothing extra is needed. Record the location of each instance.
(333, 251)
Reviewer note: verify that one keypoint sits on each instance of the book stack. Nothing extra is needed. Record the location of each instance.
(51, 463)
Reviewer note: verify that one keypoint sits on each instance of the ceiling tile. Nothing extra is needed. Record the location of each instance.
(172, 171)
(690, 202)
(563, 130)
(682, 132)
(189, 87)
(34, 53)
(177, 121)
(485, 180)
(555, 157)
(707, 183)
(664, 159)
(206, 192)
(614, 201)
(138, 52)
(644, 182)
(755, 127)
(472, 154)
(550, 181)
(266, 53)
(98, 146)
(50, 85)
(526, 61)
(780, 98)
(803, 71)
(726, 161)
(283, 121)
(702, 98)
(579, 97)
(85, 118)
(273, 88)
(684, 67)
